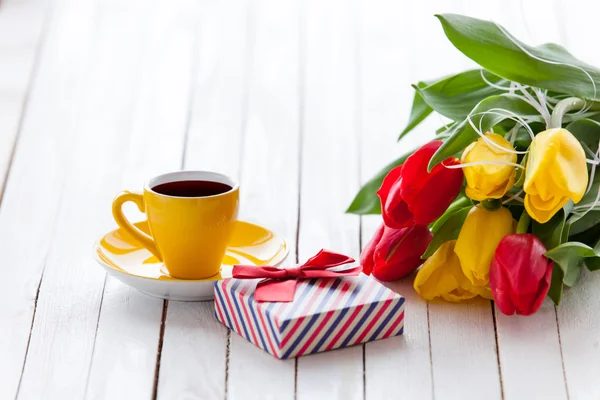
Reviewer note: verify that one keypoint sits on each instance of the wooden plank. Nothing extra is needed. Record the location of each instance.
(579, 328)
(269, 173)
(70, 294)
(461, 335)
(387, 70)
(125, 352)
(329, 172)
(195, 346)
(21, 27)
(42, 158)
(578, 315)
(526, 365)
(463, 349)
(530, 355)
(528, 347)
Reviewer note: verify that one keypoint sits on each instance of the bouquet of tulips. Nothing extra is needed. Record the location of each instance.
(505, 203)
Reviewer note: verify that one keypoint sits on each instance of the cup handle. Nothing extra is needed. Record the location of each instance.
(117, 211)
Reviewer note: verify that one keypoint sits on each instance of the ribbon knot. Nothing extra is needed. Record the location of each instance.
(279, 284)
(292, 272)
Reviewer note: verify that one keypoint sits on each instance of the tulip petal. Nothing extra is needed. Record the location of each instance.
(500, 284)
(520, 274)
(477, 241)
(543, 214)
(410, 195)
(441, 276)
(556, 172)
(394, 209)
(415, 175)
(389, 272)
(440, 190)
(541, 153)
(366, 256)
(489, 180)
(399, 251)
(553, 203)
(543, 288)
(571, 162)
(390, 179)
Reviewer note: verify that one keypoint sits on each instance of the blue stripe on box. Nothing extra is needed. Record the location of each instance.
(332, 288)
(339, 318)
(360, 323)
(237, 307)
(258, 328)
(388, 318)
(269, 319)
(322, 303)
(223, 306)
(297, 300)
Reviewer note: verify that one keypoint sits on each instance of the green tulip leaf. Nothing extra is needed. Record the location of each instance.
(455, 96)
(523, 139)
(444, 129)
(464, 134)
(420, 111)
(366, 200)
(461, 201)
(548, 66)
(570, 257)
(578, 223)
(521, 172)
(589, 236)
(587, 131)
(556, 285)
(448, 231)
(593, 264)
(551, 233)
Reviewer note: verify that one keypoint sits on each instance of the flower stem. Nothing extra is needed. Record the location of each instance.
(563, 107)
(524, 221)
(492, 204)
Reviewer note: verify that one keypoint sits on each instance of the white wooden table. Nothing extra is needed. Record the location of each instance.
(302, 101)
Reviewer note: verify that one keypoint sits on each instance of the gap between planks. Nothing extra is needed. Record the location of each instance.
(497, 348)
(188, 123)
(161, 336)
(41, 43)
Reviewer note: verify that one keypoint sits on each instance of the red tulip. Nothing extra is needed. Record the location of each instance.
(412, 196)
(520, 274)
(394, 253)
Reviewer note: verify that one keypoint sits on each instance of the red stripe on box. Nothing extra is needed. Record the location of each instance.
(230, 307)
(394, 325)
(247, 319)
(375, 319)
(351, 318)
(219, 311)
(265, 330)
(328, 316)
(308, 305)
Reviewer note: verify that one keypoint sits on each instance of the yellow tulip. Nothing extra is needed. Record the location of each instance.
(489, 181)
(477, 241)
(556, 172)
(441, 276)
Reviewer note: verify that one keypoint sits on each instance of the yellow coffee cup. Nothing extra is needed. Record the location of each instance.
(191, 216)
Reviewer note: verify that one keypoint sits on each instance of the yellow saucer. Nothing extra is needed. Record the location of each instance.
(124, 258)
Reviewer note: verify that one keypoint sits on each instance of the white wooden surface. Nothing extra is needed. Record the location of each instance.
(302, 101)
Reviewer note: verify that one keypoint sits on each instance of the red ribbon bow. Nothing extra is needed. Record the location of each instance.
(279, 284)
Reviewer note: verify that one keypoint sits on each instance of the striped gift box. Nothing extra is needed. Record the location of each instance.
(326, 314)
